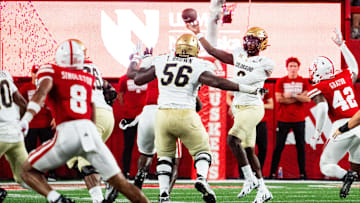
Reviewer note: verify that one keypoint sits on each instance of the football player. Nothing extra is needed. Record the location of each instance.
(12, 105)
(67, 90)
(104, 121)
(146, 122)
(334, 95)
(179, 77)
(251, 69)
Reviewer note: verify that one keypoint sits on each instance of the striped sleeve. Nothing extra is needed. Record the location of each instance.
(314, 92)
(45, 72)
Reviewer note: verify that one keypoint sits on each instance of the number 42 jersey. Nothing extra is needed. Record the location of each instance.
(71, 94)
(178, 80)
(339, 94)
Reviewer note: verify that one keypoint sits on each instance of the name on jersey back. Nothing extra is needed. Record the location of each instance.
(337, 83)
(73, 76)
(185, 60)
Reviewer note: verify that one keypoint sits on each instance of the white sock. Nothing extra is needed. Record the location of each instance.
(164, 180)
(248, 174)
(261, 183)
(202, 168)
(52, 196)
(96, 194)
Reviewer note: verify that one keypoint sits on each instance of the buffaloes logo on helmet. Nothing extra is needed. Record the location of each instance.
(260, 34)
(187, 45)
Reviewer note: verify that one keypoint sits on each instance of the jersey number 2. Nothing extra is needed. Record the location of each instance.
(339, 101)
(78, 99)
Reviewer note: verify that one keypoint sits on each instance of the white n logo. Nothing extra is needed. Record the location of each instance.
(117, 38)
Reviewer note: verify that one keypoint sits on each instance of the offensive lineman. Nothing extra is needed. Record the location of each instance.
(179, 78)
(251, 69)
(146, 126)
(12, 105)
(334, 95)
(104, 121)
(68, 90)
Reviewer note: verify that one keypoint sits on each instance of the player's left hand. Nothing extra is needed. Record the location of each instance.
(338, 39)
(24, 127)
(336, 133)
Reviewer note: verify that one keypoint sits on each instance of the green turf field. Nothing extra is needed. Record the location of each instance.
(226, 192)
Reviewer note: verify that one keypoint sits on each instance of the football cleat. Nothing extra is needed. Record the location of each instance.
(248, 186)
(63, 199)
(202, 186)
(348, 179)
(263, 195)
(164, 198)
(140, 178)
(110, 194)
(3, 194)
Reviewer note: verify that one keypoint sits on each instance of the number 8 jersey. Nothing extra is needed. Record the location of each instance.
(178, 80)
(70, 96)
(339, 93)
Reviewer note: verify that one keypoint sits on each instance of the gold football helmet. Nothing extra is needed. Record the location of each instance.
(187, 45)
(259, 33)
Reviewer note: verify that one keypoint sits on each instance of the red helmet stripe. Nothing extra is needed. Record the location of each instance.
(71, 53)
(333, 67)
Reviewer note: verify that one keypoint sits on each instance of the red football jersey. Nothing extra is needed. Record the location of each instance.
(339, 94)
(295, 112)
(70, 96)
(133, 96)
(152, 92)
(44, 117)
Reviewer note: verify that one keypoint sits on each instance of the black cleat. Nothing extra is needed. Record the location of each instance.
(202, 186)
(3, 194)
(348, 179)
(140, 178)
(164, 198)
(110, 194)
(63, 199)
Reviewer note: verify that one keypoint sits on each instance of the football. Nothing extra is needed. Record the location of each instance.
(189, 15)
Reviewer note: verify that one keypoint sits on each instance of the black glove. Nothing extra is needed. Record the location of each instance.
(262, 91)
(110, 94)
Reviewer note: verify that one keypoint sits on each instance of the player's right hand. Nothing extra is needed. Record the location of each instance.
(338, 39)
(24, 127)
(194, 27)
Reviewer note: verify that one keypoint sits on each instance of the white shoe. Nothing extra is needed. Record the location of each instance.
(263, 195)
(202, 186)
(248, 186)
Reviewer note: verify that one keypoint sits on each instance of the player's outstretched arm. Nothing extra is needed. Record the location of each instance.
(209, 79)
(219, 54)
(348, 56)
(34, 105)
(322, 109)
(20, 101)
(352, 123)
(145, 76)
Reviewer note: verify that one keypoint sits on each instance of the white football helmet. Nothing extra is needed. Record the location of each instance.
(322, 68)
(70, 53)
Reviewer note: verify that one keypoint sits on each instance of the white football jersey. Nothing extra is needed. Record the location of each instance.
(97, 93)
(250, 71)
(178, 80)
(9, 111)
